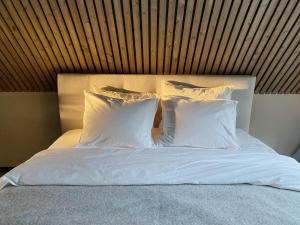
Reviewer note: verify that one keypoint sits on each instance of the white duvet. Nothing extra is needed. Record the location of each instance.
(254, 163)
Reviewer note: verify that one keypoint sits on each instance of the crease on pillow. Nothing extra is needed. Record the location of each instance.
(128, 94)
(189, 90)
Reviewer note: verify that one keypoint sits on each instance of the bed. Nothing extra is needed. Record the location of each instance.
(63, 185)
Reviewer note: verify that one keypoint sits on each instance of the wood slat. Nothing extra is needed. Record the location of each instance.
(40, 38)
(161, 36)
(270, 51)
(89, 53)
(186, 34)
(66, 18)
(287, 84)
(225, 36)
(85, 21)
(241, 39)
(283, 60)
(97, 35)
(113, 34)
(217, 38)
(210, 36)
(137, 35)
(202, 35)
(169, 36)
(177, 35)
(121, 35)
(129, 34)
(153, 35)
(253, 28)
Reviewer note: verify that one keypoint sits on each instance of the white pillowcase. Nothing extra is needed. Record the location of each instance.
(199, 123)
(113, 122)
(175, 88)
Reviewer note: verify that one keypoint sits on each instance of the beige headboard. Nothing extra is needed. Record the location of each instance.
(71, 87)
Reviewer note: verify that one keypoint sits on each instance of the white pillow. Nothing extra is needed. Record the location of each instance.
(175, 88)
(199, 123)
(112, 122)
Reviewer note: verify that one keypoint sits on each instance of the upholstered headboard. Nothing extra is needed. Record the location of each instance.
(71, 87)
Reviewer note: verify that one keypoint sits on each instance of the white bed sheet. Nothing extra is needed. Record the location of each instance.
(254, 163)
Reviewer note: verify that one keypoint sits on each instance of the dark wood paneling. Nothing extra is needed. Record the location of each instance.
(40, 38)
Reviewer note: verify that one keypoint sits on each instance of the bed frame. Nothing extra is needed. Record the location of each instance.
(71, 87)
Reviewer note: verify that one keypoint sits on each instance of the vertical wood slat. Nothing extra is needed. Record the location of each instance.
(162, 18)
(177, 35)
(283, 60)
(36, 32)
(210, 35)
(87, 30)
(14, 48)
(288, 76)
(97, 35)
(10, 72)
(240, 42)
(253, 28)
(169, 35)
(218, 35)
(66, 17)
(286, 85)
(90, 56)
(8, 59)
(65, 35)
(186, 33)
(129, 34)
(103, 26)
(121, 35)
(153, 35)
(137, 35)
(113, 34)
(271, 51)
(32, 41)
(242, 13)
(145, 35)
(225, 36)
(272, 14)
(194, 35)
(9, 50)
(40, 38)
(202, 35)
(52, 32)
(15, 37)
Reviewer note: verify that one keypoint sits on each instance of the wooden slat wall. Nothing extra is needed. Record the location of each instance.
(40, 38)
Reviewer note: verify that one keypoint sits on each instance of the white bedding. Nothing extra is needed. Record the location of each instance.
(254, 163)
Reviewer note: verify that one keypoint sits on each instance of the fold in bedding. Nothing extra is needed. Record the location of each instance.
(253, 164)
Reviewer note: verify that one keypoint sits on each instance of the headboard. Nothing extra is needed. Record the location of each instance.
(71, 87)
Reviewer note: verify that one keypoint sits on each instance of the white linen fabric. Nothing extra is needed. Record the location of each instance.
(171, 88)
(71, 138)
(121, 93)
(254, 163)
(68, 139)
(206, 124)
(113, 122)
